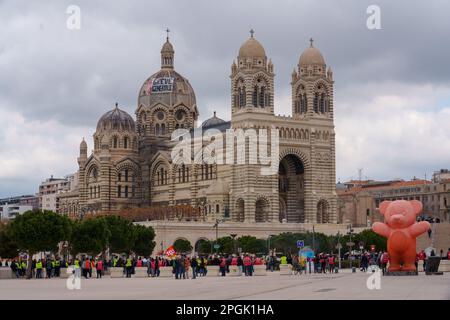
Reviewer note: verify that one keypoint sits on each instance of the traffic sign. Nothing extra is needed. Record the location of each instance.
(350, 244)
(216, 246)
(339, 246)
(300, 243)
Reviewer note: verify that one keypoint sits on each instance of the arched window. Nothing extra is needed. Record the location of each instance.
(115, 142)
(322, 103)
(119, 191)
(157, 129)
(316, 102)
(255, 96)
(163, 129)
(303, 103)
(125, 143)
(261, 101)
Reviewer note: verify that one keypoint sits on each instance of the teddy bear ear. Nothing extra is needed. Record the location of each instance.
(383, 206)
(417, 206)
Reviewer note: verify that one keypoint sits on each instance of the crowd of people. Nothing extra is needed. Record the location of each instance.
(186, 267)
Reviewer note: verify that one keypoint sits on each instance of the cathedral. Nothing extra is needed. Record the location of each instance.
(132, 163)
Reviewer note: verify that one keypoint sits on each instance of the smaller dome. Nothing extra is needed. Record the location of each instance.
(252, 49)
(219, 187)
(311, 56)
(213, 121)
(116, 119)
(167, 47)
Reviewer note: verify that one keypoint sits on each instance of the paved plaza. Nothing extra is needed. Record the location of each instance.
(273, 286)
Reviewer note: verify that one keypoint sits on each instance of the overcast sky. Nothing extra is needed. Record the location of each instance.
(392, 86)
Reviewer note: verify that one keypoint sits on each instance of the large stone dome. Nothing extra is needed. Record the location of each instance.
(168, 87)
(116, 120)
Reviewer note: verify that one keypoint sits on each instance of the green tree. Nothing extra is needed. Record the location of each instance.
(226, 245)
(90, 236)
(182, 246)
(368, 237)
(143, 244)
(204, 246)
(8, 247)
(36, 231)
(251, 244)
(122, 234)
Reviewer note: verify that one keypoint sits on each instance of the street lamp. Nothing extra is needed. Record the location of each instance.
(216, 225)
(268, 240)
(350, 244)
(233, 235)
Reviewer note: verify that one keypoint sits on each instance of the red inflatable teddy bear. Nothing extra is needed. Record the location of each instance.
(401, 229)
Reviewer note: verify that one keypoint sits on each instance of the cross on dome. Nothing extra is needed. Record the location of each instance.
(252, 32)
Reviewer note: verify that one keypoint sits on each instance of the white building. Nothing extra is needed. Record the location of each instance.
(10, 211)
(49, 189)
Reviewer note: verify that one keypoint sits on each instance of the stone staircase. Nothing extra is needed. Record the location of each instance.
(440, 238)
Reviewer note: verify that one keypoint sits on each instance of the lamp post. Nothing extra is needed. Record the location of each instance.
(339, 249)
(233, 235)
(268, 241)
(314, 242)
(216, 225)
(350, 244)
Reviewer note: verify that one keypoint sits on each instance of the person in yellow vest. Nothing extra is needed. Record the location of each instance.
(24, 267)
(57, 263)
(302, 262)
(129, 266)
(39, 269)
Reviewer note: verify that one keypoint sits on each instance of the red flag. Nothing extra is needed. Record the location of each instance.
(170, 252)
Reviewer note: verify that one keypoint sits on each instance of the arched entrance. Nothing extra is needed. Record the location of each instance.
(261, 210)
(323, 211)
(291, 181)
(240, 210)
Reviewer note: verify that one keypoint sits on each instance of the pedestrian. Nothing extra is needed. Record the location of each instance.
(48, 268)
(323, 263)
(223, 266)
(240, 264)
(384, 261)
(99, 268)
(15, 268)
(57, 267)
(194, 267)
(247, 265)
(429, 233)
(331, 263)
(187, 265)
(39, 269)
(364, 262)
(182, 271)
(128, 267)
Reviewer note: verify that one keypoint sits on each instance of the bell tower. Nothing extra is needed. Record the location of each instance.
(312, 86)
(252, 79)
